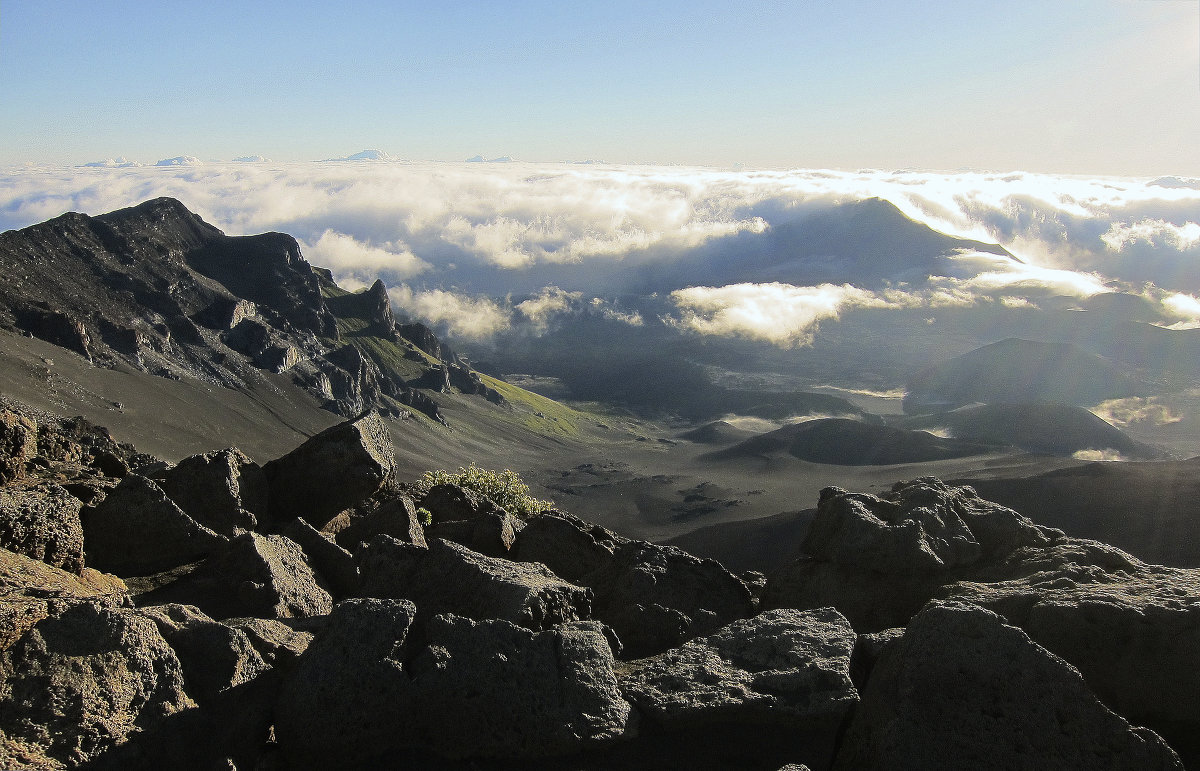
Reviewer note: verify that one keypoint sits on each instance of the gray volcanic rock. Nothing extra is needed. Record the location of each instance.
(655, 597)
(215, 657)
(1132, 629)
(879, 559)
(333, 562)
(490, 688)
(491, 534)
(347, 701)
(42, 522)
(566, 544)
(782, 666)
(30, 589)
(223, 490)
(449, 578)
(396, 516)
(963, 690)
(332, 471)
(454, 503)
(267, 576)
(137, 530)
(18, 445)
(279, 645)
(83, 682)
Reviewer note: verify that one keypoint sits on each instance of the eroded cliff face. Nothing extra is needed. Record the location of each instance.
(156, 288)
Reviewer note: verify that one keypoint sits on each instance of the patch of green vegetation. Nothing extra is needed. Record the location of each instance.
(505, 488)
(333, 291)
(542, 415)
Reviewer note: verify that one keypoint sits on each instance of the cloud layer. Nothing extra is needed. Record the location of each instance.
(457, 239)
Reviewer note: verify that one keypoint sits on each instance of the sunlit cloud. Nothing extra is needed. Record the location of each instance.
(353, 262)
(1135, 409)
(1156, 233)
(1098, 455)
(477, 318)
(549, 302)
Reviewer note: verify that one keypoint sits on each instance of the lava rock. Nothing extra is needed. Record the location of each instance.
(333, 562)
(332, 471)
(42, 522)
(962, 689)
(449, 578)
(396, 516)
(223, 490)
(137, 530)
(18, 445)
(566, 544)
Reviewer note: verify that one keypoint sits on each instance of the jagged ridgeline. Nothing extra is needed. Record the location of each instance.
(156, 288)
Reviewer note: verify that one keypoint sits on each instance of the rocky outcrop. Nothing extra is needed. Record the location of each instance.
(30, 589)
(332, 562)
(42, 521)
(783, 666)
(85, 682)
(224, 490)
(879, 559)
(267, 576)
(567, 545)
(332, 471)
(18, 445)
(137, 530)
(395, 516)
(963, 690)
(449, 578)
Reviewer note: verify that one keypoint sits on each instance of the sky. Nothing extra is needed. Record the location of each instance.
(1070, 86)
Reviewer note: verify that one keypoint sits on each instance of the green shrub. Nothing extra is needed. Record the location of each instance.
(426, 516)
(505, 488)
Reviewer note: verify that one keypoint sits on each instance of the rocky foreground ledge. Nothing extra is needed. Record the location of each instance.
(216, 614)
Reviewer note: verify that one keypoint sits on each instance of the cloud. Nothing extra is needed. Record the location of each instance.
(549, 302)
(353, 262)
(477, 318)
(1156, 233)
(1098, 455)
(1135, 409)
(781, 314)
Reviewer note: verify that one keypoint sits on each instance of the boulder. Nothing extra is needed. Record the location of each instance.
(879, 559)
(83, 683)
(137, 530)
(1132, 629)
(30, 590)
(961, 689)
(656, 597)
(332, 471)
(493, 689)
(280, 645)
(449, 578)
(18, 445)
(332, 562)
(347, 703)
(452, 503)
(224, 490)
(395, 516)
(566, 544)
(267, 576)
(787, 667)
(42, 522)
(492, 534)
(215, 657)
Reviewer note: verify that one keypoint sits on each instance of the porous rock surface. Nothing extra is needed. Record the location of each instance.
(449, 578)
(137, 530)
(42, 521)
(266, 576)
(18, 444)
(962, 689)
(224, 490)
(332, 471)
(780, 666)
(81, 683)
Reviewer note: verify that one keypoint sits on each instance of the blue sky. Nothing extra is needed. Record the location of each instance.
(1068, 86)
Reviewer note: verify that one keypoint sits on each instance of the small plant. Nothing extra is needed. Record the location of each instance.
(505, 488)
(426, 516)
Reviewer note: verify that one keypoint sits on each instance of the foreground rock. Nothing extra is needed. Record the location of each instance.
(359, 699)
(18, 445)
(266, 576)
(30, 589)
(450, 578)
(83, 683)
(332, 471)
(963, 690)
(879, 559)
(224, 490)
(137, 530)
(42, 522)
(1132, 629)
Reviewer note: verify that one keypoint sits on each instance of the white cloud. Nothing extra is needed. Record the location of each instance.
(351, 260)
(1135, 409)
(1095, 455)
(1153, 232)
(549, 302)
(477, 318)
(782, 314)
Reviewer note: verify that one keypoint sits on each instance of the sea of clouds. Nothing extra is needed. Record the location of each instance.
(480, 247)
